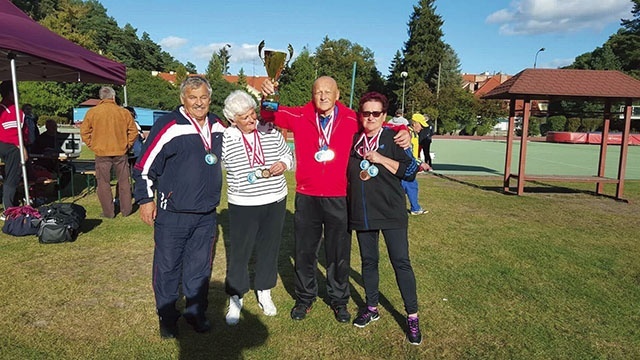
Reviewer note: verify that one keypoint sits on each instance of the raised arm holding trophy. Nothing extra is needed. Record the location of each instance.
(274, 63)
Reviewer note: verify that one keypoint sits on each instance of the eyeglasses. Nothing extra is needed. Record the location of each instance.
(366, 114)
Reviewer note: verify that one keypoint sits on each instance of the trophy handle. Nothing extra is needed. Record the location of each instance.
(290, 48)
(260, 47)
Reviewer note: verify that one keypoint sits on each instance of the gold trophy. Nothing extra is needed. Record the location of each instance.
(274, 62)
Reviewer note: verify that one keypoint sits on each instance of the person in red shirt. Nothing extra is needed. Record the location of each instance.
(9, 144)
(323, 134)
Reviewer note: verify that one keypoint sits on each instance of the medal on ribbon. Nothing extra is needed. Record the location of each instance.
(210, 158)
(325, 153)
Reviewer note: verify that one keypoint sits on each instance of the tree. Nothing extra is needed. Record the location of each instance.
(488, 113)
(221, 88)
(418, 97)
(242, 78)
(65, 22)
(297, 80)
(191, 68)
(140, 83)
(181, 74)
(449, 69)
(602, 58)
(336, 58)
(224, 56)
(36, 9)
(393, 85)
(455, 111)
(424, 49)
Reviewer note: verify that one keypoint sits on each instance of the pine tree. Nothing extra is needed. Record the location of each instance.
(242, 78)
(424, 49)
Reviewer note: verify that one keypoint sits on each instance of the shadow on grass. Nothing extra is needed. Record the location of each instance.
(539, 187)
(465, 168)
(383, 301)
(223, 341)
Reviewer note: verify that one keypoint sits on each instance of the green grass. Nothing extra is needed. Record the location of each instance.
(553, 274)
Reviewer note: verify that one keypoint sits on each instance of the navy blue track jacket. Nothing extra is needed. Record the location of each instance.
(172, 163)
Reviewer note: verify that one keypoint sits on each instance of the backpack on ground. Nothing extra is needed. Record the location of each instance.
(21, 221)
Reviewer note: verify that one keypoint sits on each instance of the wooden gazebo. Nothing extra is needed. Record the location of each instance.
(567, 84)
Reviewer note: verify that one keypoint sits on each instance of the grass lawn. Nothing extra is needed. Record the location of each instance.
(548, 275)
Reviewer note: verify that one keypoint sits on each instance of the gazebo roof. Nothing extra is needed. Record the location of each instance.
(567, 83)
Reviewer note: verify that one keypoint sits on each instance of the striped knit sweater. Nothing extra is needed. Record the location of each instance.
(234, 157)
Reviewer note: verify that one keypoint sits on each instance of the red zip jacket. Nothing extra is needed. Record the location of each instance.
(9, 126)
(324, 179)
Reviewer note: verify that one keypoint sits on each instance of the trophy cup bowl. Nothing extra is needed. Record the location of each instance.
(274, 62)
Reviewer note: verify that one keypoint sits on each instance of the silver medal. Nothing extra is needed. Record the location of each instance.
(373, 170)
(210, 159)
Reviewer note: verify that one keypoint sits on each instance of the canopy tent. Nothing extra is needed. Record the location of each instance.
(607, 86)
(34, 53)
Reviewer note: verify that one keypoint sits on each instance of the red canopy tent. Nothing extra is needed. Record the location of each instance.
(34, 53)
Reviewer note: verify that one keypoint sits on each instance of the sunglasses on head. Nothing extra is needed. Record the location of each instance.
(366, 114)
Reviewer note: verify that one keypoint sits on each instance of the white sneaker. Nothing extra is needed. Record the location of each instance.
(266, 304)
(233, 313)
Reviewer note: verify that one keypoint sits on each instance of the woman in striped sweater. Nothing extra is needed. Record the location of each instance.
(255, 157)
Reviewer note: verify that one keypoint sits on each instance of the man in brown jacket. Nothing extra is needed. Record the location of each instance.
(109, 130)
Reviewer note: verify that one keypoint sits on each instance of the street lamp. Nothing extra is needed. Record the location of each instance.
(224, 60)
(404, 75)
(535, 60)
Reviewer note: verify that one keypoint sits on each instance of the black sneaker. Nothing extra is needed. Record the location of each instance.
(413, 332)
(300, 311)
(199, 324)
(365, 317)
(341, 313)
(168, 331)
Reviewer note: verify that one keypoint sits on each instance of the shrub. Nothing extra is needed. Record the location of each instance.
(483, 129)
(591, 124)
(557, 123)
(573, 124)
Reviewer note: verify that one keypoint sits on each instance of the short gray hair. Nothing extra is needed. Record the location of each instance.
(194, 82)
(107, 92)
(237, 103)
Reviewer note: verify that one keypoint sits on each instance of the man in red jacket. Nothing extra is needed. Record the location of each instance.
(323, 135)
(9, 144)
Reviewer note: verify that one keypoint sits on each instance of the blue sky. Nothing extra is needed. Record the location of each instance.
(488, 36)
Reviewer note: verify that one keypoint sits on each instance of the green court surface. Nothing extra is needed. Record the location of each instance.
(486, 157)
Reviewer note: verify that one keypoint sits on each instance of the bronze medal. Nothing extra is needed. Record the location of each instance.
(364, 175)
(266, 173)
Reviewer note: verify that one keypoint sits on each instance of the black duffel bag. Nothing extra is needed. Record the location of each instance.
(60, 222)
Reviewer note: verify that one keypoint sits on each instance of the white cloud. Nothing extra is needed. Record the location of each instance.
(173, 42)
(525, 17)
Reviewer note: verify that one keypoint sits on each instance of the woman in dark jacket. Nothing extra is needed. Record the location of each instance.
(377, 204)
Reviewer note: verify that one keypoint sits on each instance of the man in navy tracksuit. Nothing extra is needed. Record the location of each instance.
(178, 181)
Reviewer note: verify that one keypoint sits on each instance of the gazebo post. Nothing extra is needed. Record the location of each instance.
(624, 147)
(526, 112)
(510, 136)
(603, 145)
